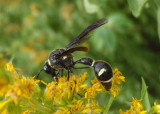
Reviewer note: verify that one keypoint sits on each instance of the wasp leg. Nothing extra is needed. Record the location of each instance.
(56, 76)
(38, 74)
(68, 75)
(74, 83)
(70, 71)
(81, 67)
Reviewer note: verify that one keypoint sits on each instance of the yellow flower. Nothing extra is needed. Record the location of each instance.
(11, 68)
(97, 84)
(155, 108)
(27, 84)
(34, 9)
(117, 78)
(62, 110)
(79, 82)
(22, 87)
(135, 104)
(91, 92)
(136, 108)
(66, 12)
(116, 82)
(115, 90)
(91, 108)
(64, 89)
(28, 111)
(3, 103)
(3, 86)
(50, 90)
(58, 91)
(15, 93)
(2, 63)
(5, 111)
(77, 106)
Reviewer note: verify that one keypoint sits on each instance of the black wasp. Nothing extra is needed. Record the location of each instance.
(60, 59)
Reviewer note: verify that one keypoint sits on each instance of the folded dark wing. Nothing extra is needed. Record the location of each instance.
(84, 35)
(71, 50)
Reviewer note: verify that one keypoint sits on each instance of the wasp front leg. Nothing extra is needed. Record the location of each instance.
(103, 71)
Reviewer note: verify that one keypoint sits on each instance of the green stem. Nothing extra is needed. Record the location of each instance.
(109, 104)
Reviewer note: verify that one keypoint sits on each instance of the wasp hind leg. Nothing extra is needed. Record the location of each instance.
(70, 72)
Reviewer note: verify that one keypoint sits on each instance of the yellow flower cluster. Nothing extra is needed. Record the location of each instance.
(22, 87)
(17, 87)
(155, 108)
(116, 82)
(136, 108)
(62, 97)
(64, 91)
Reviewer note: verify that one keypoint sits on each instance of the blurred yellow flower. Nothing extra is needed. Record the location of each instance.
(2, 63)
(11, 68)
(117, 78)
(77, 106)
(34, 9)
(97, 84)
(62, 110)
(28, 84)
(91, 108)
(3, 86)
(66, 12)
(29, 111)
(64, 89)
(58, 91)
(22, 87)
(155, 108)
(3, 103)
(115, 91)
(60, 97)
(79, 82)
(29, 49)
(136, 108)
(116, 82)
(14, 93)
(91, 92)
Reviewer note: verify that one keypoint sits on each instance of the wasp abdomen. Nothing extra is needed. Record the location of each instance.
(103, 72)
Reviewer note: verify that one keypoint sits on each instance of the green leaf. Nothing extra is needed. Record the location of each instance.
(157, 2)
(105, 38)
(158, 19)
(118, 22)
(144, 96)
(90, 8)
(136, 6)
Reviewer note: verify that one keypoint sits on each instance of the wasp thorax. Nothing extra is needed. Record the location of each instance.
(58, 59)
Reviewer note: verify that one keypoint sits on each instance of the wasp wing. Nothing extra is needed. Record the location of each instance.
(83, 36)
(71, 50)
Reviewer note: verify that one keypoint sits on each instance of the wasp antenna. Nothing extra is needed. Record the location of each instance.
(38, 73)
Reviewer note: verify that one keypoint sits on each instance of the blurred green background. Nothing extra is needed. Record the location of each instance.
(31, 29)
